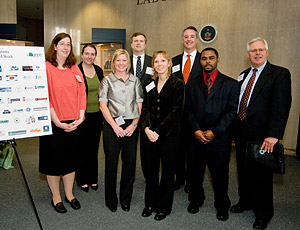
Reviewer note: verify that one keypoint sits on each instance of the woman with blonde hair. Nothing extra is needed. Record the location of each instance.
(161, 113)
(121, 98)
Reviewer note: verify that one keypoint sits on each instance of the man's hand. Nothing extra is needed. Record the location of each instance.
(268, 144)
(199, 135)
(209, 135)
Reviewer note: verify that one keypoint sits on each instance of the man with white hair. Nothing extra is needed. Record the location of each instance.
(264, 105)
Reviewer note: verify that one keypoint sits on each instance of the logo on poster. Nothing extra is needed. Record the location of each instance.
(30, 120)
(11, 100)
(46, 128)
(41, 98)
(27, 68)
(5, 89)
(30, 54)
(43, 118)
(6, 111)
(14, 68)
(11, 77)
(40, 87)
(37, 130)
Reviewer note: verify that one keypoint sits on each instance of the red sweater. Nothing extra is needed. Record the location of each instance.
(66, 95)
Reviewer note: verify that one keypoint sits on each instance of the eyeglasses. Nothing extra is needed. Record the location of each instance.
(64, 44)
(257, 50)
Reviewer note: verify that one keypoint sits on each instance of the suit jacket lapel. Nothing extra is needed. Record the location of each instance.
(144, 65)
(217, 84)
(263, 77)
(202, 85)
(196, 64)
(131, 69)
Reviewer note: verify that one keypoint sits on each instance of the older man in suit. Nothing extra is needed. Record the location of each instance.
(186, 66)
(211, 105)
(141, 67)
(264, 104)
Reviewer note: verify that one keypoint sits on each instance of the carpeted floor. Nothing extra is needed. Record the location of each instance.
(16, 211)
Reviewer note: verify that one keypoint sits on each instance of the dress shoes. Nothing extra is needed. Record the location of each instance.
(147, 212)
(74, 203)
(125, 207)
(112, 209)
(238, 208)
(59, 207)
(85, 189)
(260, 224)
(193, 208)
(94, 187)
(222, 215)
(160, 216)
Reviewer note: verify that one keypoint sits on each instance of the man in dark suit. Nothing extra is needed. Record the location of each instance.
(186, 66)
(211, 105)
(264, 104)
(138, 46)
(141, 67)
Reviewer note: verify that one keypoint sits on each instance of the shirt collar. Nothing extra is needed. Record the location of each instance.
(135, 56)
(259, 69)
(213, 76)
(193, 54)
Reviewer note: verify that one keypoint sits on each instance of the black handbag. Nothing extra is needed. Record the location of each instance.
(271, 161)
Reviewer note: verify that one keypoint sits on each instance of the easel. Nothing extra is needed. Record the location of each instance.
(13, 143)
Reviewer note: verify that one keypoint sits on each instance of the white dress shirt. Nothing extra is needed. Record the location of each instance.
(244, 85)
(192, 57)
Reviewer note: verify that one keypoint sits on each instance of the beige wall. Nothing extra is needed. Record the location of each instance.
(237, 21)
(8, 11)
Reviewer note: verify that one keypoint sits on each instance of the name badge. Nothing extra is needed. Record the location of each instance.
(149, 71)
(241, 77)
(78, 78)
(120, 120)
(150, 86)
(176, 68)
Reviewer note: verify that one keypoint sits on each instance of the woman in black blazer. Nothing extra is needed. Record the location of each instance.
(161, 113)
(87, 161)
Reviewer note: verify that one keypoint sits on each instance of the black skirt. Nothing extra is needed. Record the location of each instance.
(58, 151)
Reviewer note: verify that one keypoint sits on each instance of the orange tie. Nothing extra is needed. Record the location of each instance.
(187, 69)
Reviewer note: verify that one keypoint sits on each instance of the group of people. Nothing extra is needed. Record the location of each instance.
(186, 112)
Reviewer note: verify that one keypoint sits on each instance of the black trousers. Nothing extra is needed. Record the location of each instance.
(217, 160)
(255, 184)
(87, 158)
(159, 193)
(183, 162)
(143, 139)
(112, 147)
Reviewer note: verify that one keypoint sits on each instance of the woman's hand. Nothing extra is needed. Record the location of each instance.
(152, 136)
(119, 131)
(66, 127)
(129, 130)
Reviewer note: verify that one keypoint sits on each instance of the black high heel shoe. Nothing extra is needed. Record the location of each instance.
(94, 187)
(85, 189)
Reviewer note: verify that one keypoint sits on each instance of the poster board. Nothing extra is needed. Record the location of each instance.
(24, 102)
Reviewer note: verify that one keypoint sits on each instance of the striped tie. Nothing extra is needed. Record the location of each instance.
(244, 101)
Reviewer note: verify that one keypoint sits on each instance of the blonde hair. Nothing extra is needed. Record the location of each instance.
(117, 53)
(166, 55)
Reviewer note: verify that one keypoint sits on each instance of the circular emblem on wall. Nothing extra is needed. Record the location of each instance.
(208, 33)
